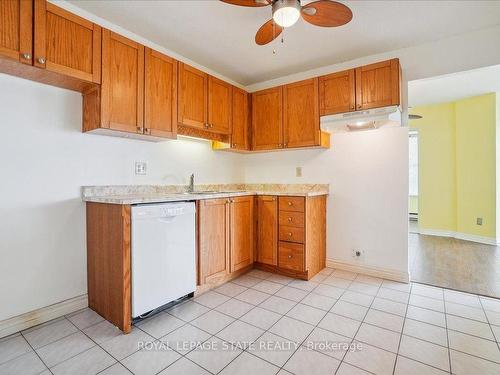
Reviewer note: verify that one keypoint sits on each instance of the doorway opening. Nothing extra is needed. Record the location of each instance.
(454, 196)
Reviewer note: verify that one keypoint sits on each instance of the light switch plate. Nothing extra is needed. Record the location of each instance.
(140, 167)
(479, 221)
(298, 172)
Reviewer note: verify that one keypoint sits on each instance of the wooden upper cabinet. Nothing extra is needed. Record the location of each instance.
(267, 230)
(219, 106)
(160, 96)
(301, 114)
(241, 214)
(122, 88)
(378, 85)
(16, 30)
(337, 92)
(213, 239)
(66, 43)
(193, 97)
(241, 118)
(267, 119)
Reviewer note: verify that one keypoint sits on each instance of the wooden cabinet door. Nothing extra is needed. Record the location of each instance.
(267, 230)
(378, 85)
(122, 89)
(301, 114)
(267, 119)
(219, 106)
(66, 43)
(193, 90)
(213, 239)
(337, 92)
(16, 30)
(160, 95)
(242, 234)
(241, 118)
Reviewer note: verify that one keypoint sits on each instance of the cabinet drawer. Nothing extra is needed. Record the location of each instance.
(292, 219)
(292, 234)
(291, 256)
(296, 204)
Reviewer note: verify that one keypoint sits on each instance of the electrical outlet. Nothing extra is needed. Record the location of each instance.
(140, 167)
(298, 171)
(479, 221)
(357, 253)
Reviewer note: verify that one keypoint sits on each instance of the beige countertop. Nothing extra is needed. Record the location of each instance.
(137, 194)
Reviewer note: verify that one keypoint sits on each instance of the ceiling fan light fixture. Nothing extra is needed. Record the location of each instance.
(286, 12)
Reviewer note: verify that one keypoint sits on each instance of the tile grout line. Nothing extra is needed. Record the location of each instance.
(32, 348)
(402, 330)
(489, 324)
(447, 334)
(357, 331)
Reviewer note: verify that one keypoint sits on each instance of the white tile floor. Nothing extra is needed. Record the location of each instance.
(339, 323)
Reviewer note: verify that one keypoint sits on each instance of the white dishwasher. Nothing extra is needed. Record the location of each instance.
(163, 254)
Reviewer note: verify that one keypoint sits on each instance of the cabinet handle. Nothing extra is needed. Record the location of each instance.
(146, 130)
(290, 219)
(274, 198)
(211, 126)
(41, 60)
(352, 107)
(234, 145)
(285, 144)
(26, 56)
(205, 126)
(280, 145)
(290, 256)
(290, 203)
(290, 234)
(139, 129)
(359, 106)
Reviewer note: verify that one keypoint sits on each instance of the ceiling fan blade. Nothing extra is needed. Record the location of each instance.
(248, 3)
(267, 32)
(326, 13)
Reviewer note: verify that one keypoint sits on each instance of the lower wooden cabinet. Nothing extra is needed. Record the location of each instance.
(267, 230)
(291, 256)
(225, 237)
(300, 225)
(213, 227)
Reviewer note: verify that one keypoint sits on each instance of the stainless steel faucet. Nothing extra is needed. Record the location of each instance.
(191, 183)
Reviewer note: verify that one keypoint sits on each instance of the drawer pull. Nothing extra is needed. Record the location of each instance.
(290, 234)
(290, 256)
(290, 203)
(290, 219)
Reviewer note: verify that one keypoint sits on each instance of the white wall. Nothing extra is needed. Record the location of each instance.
(45, 160)
(368, 206)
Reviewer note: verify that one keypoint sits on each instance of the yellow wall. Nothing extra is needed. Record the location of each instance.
(476, 164)
(436, 166)
(413, 204)
(457, 165)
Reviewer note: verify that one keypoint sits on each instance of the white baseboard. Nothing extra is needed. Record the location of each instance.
(42, 315)
(384, 273)
(461, 236)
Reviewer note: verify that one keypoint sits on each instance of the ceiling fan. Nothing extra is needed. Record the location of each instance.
(285, 13)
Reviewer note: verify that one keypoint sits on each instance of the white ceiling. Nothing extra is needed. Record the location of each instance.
(221, 36)
(455, 86)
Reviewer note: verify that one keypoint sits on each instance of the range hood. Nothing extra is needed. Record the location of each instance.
(362, 120)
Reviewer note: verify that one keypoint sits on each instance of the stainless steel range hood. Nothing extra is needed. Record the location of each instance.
(362, 120)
